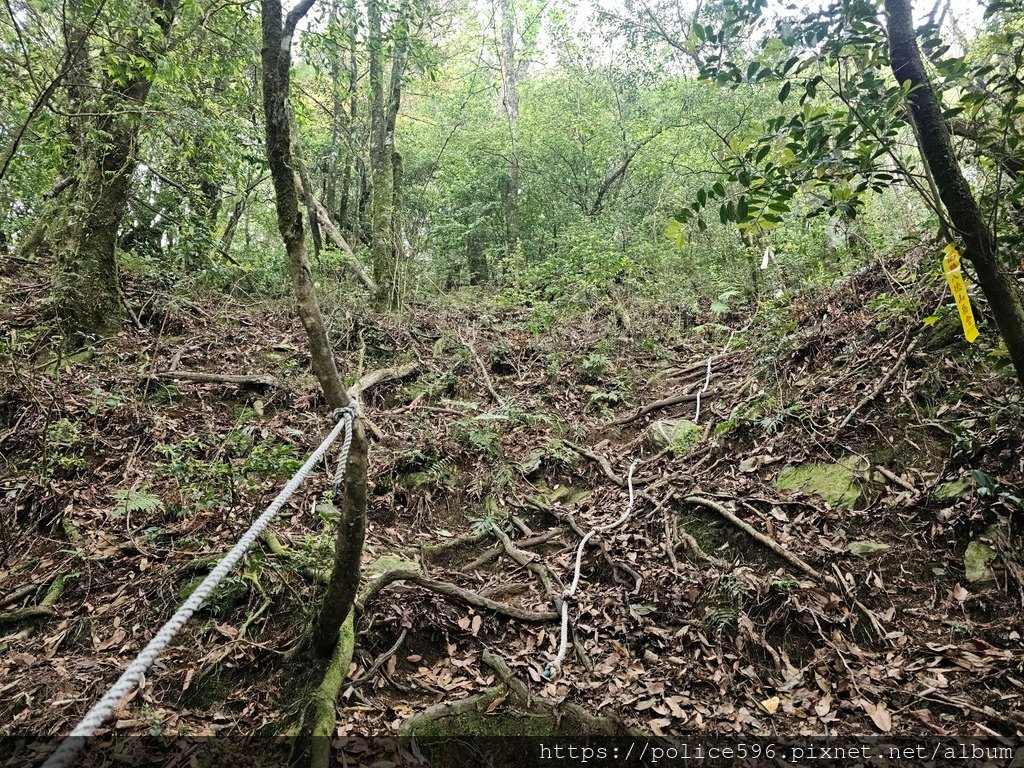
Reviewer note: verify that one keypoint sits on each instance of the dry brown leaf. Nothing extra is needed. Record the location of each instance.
(878, 713)
(824, 705)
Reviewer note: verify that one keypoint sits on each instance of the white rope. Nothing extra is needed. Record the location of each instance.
(707, 380)
(563, 647)
(68, 750)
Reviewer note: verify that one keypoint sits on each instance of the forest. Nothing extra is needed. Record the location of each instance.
(436, 382)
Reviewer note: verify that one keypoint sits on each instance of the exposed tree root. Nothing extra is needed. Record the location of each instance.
(582, 721)
(430, 552)
(379, 661)
(530, 541)
(455, 592)
(36, 612)
(690, 397)
(476, 703)
(526, 560)
(20, 593)
(605, 465)
(882, 383)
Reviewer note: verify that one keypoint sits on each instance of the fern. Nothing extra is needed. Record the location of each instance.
(441, 470)
(131, 500)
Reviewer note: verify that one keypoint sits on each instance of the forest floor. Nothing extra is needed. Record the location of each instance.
(122, 485)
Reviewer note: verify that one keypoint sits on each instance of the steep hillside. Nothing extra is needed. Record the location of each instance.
(831, 547)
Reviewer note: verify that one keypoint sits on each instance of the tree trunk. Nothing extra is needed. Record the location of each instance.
(344, 579)
(385, 248)
(997, 283)
(87, 293)
(509, 108)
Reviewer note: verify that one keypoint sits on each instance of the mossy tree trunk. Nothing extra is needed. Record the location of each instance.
(385, 163)
(344, 579)
(86, 290)
(997, 283)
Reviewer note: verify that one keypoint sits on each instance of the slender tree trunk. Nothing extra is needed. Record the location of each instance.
(509, 108)
(997, 283)
(384, 105)
(344, 580)
(380, 176)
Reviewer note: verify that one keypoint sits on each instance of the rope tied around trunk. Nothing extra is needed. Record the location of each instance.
(68, 751)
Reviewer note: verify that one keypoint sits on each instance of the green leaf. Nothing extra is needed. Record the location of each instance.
(784, 93)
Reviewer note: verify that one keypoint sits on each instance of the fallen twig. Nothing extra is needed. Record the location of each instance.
(874, 624)
(895, 478)
(771, 544)
(483, 372)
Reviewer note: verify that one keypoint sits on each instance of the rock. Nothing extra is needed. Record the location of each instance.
(979, 554)
(865, 548)
(678, 435)
(835, 483)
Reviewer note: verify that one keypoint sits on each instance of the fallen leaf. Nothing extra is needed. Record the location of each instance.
(879, 715)
(771, 705)
(824, 705)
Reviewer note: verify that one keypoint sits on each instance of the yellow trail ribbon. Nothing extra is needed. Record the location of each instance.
(955, 278)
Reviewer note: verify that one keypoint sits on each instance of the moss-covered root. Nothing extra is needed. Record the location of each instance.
(325, 697)
(36, 612)
(455, 709)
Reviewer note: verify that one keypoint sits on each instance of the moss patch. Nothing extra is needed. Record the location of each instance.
(678, 435)
(950, 490)
(835, 483)
(979, 554)
(390, 562)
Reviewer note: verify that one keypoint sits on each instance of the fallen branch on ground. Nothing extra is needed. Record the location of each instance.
(256, 380)
(875, 627)
(381, 375)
